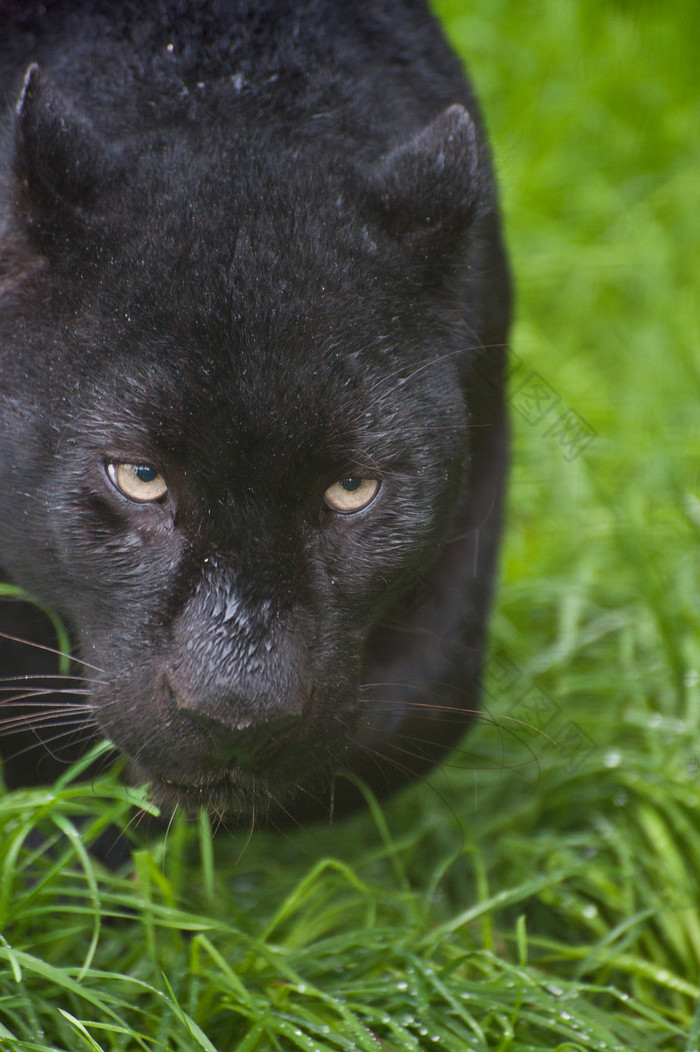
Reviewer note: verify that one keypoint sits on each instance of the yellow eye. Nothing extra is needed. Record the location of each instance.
(351, 494)
(138, 482)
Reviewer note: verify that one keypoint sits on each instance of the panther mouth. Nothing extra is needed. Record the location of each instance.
(243, 775)
(229, 792)
(223, 796)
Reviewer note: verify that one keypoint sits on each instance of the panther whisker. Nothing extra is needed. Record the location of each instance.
(49, 650)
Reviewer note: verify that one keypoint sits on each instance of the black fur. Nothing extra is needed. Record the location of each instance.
(254, 247)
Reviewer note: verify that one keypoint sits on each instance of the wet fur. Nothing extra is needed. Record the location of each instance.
(257, 246)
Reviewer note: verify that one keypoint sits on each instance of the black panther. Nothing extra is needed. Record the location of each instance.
(254, 306)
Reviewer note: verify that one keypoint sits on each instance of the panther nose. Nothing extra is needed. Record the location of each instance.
(243, 747)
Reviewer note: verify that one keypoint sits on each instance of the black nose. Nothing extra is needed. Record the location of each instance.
(243, 748)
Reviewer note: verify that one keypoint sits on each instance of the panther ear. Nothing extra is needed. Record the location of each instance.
(428, 188)
(59, 159)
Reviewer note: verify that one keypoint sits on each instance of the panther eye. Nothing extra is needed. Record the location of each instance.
(139, 482)
(351, 494)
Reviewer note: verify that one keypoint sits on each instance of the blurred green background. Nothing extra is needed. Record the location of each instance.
(593, 111)
(541, 891)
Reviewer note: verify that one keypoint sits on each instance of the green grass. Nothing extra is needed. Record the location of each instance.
(542, 891)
